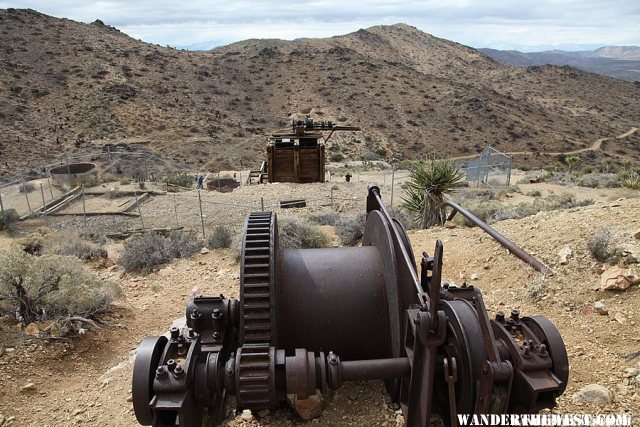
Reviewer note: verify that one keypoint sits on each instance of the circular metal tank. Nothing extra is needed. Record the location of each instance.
(72, 175)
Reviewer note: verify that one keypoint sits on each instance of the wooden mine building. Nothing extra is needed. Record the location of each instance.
(299, 155)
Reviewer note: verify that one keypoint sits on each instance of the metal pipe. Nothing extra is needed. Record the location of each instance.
(375, 369)
(512, 247)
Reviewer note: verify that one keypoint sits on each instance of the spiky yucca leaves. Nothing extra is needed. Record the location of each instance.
(424, 191)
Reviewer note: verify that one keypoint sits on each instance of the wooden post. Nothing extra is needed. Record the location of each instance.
(201, 215)
(262, 203)
(44, 205)
(393, 181)
(109, 152)
(331, 196)
(175, 210)
(26, 193)
(135, 194)
(84, 208)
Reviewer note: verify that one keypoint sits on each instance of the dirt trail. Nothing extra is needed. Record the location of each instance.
(593, 147)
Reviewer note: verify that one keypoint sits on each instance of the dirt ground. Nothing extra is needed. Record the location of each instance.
(87, 380)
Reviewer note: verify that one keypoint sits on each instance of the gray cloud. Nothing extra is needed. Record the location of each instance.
(493, 23)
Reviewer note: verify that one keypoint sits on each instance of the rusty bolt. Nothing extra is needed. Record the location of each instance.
(500, 317)
(515, 314)
(195, 314)
(217, 314)
(192, 333)
(526, 350)
(543, 350)
(171, 364)
(216, 335)
(161, 372)
(333, 359)
(178, 372)
(175, 333)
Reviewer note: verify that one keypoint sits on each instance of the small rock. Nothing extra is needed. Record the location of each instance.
(600, 308)
(631, 372)
(32, 329)
(129, 398)
(594, 394)
(450, 224)
(564, 254)
(309, 408)
(28, 387)
(246, 415)
(474, 276)
(616, 278)
(636, 235)
(485, 266)
(204, 251)
(618, 317)
(77, 411)
(1, 354)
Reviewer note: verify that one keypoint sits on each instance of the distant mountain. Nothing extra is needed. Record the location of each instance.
(620, 62)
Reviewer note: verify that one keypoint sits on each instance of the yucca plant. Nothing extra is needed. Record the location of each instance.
(425, 190)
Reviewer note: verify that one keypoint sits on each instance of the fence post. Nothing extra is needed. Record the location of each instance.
(262, 203)
(44, 205)
(331, 196)
(50, 189)
(393, 182)
(201, 215)
(135, 194)
(175, 210)
(146, 169)
(66, 160)
(4, 219)
(26, 193)
(84, 207)
(109, 152)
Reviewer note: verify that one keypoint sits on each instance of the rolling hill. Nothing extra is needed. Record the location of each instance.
(72, 87)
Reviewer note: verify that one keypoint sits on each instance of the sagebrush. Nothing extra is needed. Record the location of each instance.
(350, 229)
(296, 234)
(221, 237)
(145, 251)
(51, 287)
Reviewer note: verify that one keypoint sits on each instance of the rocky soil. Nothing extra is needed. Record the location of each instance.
(86, 380)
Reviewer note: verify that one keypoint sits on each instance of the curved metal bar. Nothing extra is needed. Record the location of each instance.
(512, 247)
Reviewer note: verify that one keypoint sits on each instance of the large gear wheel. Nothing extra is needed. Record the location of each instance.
(257, 295)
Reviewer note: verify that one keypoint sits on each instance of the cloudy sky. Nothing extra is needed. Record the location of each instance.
(502, 24)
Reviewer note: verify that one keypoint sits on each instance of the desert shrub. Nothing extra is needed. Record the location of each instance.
(336, 157)
(221, 237)
(600, 244)
(425, 190)
(51, 287)
(113, 193)
(26, 187)
(10, 215)
(72, 244)
(630, 177)
(534, 193)
(295, 234)
(324, 218)
(47, 241)
(403, 216)
(180, 178)
(145, 251)
(538, 287)
(351, 229)
(599, 180)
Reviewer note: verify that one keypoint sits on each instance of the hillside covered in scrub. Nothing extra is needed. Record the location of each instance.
(72, 87)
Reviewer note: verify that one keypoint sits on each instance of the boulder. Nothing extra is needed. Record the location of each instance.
(594, 394)
(308, 408)
(618, 279)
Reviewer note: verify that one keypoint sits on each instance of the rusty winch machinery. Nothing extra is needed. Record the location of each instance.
(309, 320)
